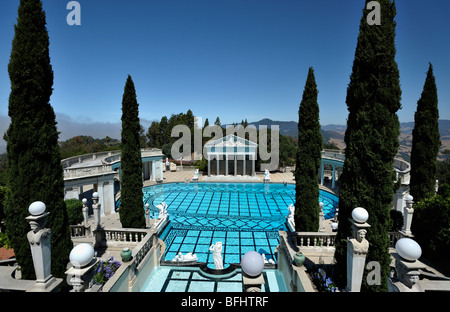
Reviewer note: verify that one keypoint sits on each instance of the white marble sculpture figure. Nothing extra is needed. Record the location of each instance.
(290, 217)
(267, 261)
(267, 175)
(162, 210)
(217, 255)
(185, 258)
(195, 175)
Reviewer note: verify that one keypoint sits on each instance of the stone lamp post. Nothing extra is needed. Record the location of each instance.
(407, 216)
(83, 262)
(39, 239)
(252, 265)
(407, 267)
(357, 248)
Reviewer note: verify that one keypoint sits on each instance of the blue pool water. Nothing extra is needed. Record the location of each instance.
(243, 216)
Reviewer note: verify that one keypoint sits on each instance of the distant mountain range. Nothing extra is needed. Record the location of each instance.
(335, 134)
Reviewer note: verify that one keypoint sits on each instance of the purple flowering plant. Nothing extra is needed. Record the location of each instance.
(322, 280)
(105, 270)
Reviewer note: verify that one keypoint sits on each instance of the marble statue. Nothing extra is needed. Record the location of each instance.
(185, 258)
(267, 175)
(360, 243)
(290, 217)
(162, 210)
(195, 175)
(217, 255)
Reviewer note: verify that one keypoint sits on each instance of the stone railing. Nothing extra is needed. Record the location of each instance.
(79, 159)
(313, 239)
(70, 173)
(79, 231)
(144, 246)
(124, 235)
(334, 154)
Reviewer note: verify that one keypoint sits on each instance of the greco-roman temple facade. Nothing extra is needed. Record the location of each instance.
(231, 155)
(100, 172)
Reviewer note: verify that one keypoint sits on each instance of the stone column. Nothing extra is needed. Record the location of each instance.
(357, 248)
(243, 170)
(39, 239)
(235, 165)
(209, 166)
(217, 161)
(321, 174)
(334, 177)
(226, 164)
(253, 165)
(408, 215)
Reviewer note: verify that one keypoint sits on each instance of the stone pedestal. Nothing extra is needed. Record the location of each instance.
(252, 284)
(407, 279)
(79, 277)
(39, 239)
(357, 248)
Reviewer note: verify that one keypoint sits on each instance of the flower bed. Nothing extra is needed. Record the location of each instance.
(321, 277)
(105, 270)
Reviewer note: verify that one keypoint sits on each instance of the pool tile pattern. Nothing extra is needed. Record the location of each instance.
(166, 279)
(243, 216)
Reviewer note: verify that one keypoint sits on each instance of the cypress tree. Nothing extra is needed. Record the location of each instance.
(308, 159)
(426, 141)
(33, 158)
(131, 207)
(367, 180)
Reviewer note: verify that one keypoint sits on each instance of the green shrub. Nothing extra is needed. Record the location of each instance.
(74, 211)
(397, 220)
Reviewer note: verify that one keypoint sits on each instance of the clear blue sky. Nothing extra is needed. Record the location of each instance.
(234, 59)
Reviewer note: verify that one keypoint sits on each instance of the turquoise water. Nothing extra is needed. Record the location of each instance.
(243, 216)
(171, 279)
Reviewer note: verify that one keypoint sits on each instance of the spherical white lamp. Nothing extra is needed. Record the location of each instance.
(252, 263)
(36, 208)
(408, 249)
(84, 201)
(409, 198)
(360, 215)
(95, 195)
(81, 255)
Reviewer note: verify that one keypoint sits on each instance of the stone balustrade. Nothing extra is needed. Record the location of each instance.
(78, 231)
(314, 239)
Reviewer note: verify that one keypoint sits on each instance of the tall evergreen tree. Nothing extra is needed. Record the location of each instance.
(33, 160)
(367, 180)
(309, 156)
(131, 207)
(426, 141)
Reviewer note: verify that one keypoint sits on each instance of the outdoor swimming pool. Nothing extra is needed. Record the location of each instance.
(243, 216)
